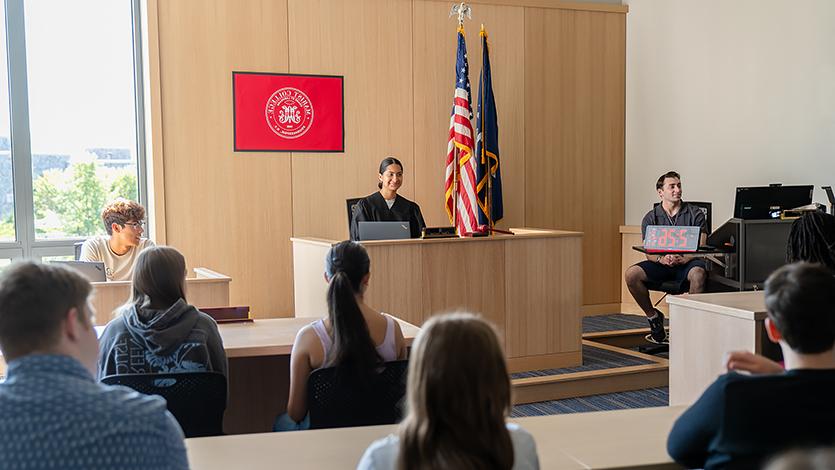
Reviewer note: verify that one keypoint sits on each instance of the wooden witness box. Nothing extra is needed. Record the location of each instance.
(207, 289)
(529, 285)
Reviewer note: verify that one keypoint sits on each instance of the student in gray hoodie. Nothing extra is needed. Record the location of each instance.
(157, 331)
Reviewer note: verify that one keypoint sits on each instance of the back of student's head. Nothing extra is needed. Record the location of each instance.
(34, 301)
(812, 239)
(800, 300)
(458, 397)
(159, 277)
(346, 266)
(804, 459)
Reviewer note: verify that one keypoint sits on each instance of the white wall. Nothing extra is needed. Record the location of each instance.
(728, 93)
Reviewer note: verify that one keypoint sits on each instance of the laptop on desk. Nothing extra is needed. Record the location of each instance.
(384, 230)
(92, 270)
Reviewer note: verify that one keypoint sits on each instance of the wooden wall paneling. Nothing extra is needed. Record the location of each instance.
(555, 4)
(541, 273)
(574, 135)
(434, 47)
(469, 273)
(395, 293)
(227, 211)
(369, 42)
(155, 167)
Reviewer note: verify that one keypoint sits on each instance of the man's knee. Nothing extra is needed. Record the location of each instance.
(697, 275)
(634, 275)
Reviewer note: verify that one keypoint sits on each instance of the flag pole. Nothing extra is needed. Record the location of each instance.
(460, 10)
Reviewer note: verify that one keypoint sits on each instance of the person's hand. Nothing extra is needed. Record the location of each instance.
(666, 260)
(677, 260)
(746, 361)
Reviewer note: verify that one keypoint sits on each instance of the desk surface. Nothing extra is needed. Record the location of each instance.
(748, 305)
(275, 336)
(608, 439)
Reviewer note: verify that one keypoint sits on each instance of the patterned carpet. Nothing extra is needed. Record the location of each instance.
(597, 359)
(593, 359)
(613, 322)
(611, 401)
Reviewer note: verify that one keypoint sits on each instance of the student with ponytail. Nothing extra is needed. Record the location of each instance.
(353, 335)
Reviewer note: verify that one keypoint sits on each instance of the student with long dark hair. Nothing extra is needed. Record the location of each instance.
(157, 330)
(458, 398)
(386, 204)
(353, 335)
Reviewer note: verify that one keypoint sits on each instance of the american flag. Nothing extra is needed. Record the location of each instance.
(460, 183)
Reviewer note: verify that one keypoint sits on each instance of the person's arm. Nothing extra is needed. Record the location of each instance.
(217, 355)
(399, 341)
(88, 253)
(360, 214)
(299, 373)
(746, 361)
(692, 432)
(419, 218)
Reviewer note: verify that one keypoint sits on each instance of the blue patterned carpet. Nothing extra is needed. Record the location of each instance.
(614, 322)
(611, 401)
(593, 359)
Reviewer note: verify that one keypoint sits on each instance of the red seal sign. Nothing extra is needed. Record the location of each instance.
(279, 112)
(289, 113)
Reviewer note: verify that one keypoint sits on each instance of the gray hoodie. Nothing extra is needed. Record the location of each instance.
(178, 339)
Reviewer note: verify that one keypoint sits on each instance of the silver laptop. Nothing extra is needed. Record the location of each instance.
(92, 270)
(384, 230)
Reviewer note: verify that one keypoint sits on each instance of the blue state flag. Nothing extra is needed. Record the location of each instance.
(488, 170)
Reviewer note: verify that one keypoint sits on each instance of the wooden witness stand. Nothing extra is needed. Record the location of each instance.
(529, 285)
(207, 289)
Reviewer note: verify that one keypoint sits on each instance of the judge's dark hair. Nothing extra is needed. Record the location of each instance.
(800, 300)
(385, 164)
(670, 174)
(458, 394)
(812, 239)
(159, 278)
(353, 350)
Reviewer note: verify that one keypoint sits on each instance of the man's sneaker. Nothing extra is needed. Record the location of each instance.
(657, 333)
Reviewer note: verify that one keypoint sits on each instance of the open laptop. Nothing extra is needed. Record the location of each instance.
(384, 230)
(92, 270)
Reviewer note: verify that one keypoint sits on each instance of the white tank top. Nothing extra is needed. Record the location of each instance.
(387, 349)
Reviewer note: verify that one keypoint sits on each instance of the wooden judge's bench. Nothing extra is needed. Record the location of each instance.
(529, 285)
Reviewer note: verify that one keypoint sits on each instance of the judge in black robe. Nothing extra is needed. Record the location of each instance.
(375, 208)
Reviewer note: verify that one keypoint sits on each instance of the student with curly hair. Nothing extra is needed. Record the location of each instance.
(124, 222)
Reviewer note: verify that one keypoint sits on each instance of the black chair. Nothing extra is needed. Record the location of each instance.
(350, 204)
(196, 399)
(335, 401)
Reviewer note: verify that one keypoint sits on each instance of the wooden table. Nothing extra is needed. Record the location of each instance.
(259, 369)
(529, 285)
(703, 328)
(601, 440)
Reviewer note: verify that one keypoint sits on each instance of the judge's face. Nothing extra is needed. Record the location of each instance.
(392, 178)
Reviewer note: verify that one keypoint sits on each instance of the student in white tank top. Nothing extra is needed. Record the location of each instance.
(352, 335)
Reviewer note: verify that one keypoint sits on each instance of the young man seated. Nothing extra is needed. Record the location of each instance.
(741, 420)
(124, 221)
(660, 268)
(54, 414)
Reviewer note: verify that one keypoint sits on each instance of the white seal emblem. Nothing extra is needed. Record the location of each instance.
(289, 113)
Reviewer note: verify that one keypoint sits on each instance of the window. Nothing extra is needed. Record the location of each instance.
(71, 135)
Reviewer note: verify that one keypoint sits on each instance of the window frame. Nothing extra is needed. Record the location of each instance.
(26, 244)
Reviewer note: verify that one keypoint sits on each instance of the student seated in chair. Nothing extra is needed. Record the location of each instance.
(811, 239)
(660, 268)
(458, 397)
(157, 330)
(742, 419)
(54, 413)
(124, 222)
(353, 336)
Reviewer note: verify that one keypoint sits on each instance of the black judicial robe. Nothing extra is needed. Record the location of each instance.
(373, 208)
